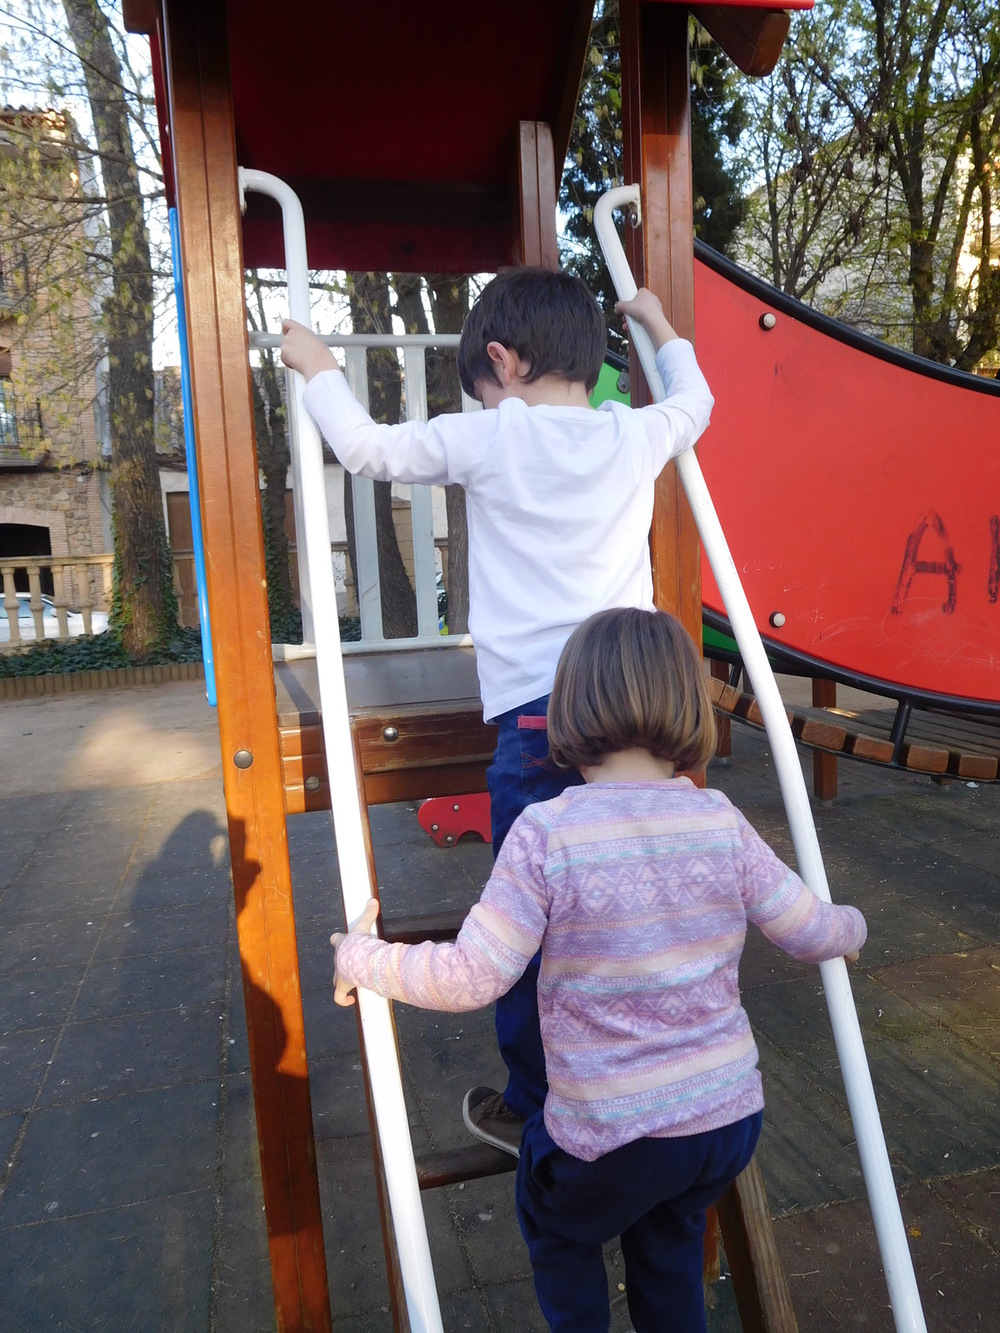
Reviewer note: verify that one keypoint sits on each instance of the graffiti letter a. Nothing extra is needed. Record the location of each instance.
(946, 565)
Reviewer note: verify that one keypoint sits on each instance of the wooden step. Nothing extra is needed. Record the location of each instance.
(451, 1166)
(415, 929)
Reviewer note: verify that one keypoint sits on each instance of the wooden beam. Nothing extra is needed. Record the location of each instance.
(536, 195)
(140, 16)
(762, 1292)
(194, 40)
(751, 38)
(657, 142)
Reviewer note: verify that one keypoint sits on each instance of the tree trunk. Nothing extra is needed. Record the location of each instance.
(274, 457)
(370, 313)
(145, 604)
(449, 305)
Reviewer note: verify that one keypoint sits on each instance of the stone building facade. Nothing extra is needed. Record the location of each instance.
(54, 497)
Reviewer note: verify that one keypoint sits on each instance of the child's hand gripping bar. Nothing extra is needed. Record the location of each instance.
(895, 1253)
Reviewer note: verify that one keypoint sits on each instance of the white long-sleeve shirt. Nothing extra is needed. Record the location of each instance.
(559, 503)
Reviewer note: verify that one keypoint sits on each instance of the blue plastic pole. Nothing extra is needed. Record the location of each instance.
(191, 453)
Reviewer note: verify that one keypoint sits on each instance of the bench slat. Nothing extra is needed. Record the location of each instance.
(935, 742)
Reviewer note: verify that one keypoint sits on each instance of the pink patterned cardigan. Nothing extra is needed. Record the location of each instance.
(638, 894)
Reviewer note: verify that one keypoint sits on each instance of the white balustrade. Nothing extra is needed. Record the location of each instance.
(80, 583)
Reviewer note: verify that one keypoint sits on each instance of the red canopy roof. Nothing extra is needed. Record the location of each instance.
(396, 122)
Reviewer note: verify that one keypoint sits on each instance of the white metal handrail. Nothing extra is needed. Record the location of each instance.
(896, 1260)
(346, 808)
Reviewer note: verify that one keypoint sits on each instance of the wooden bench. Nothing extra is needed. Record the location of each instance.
(941, 743)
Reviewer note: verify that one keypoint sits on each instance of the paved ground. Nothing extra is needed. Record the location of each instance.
(130, 1197)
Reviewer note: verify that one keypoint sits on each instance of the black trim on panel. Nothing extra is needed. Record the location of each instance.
(801, 664)
(834, 328)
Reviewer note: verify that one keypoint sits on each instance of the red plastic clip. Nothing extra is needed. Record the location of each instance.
(446, 818)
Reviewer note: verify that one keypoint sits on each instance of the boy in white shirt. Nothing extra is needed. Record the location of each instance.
(559, 500)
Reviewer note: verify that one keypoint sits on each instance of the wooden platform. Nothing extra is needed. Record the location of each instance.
(920, 740)
(417, 722)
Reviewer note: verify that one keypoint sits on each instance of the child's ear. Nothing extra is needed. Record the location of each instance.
(505, 362)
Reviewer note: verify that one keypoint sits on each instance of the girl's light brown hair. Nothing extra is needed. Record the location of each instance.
(630, 679)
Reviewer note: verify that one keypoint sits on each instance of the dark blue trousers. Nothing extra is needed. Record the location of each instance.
(653, 1193)
(521, 774)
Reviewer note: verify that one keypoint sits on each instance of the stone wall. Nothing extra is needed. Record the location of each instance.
(67, 503)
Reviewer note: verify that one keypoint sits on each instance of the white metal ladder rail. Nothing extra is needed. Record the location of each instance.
(346, 802)
(896, 1260)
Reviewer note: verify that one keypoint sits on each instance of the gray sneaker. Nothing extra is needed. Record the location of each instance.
(489, 1118)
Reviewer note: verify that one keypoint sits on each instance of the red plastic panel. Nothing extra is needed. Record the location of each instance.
(860, 498)
(447, 818)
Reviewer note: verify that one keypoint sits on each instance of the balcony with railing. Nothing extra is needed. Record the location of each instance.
(53, 597)
(20, 430)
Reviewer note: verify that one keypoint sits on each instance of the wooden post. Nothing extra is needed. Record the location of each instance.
(655, 74)
(657, 143)
(194, 42)
(723, 723)
(762, 1292)
(536, 195)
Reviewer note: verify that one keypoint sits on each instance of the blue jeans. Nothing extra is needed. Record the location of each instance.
(521, 774)
(653, 1193)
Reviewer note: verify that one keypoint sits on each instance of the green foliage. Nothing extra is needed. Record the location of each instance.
(594, 160)
(101, 652)
(104, 652)
(875, 146)
(718, 118)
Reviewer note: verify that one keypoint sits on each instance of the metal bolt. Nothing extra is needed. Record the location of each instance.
(390, 734)
(777, 619)
(768, 321)
(312, 784)
(242, 758)
(456, 807)
(449, 840)
(435, 827)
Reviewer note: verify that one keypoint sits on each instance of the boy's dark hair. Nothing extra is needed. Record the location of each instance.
(630, 678)
(550, 319)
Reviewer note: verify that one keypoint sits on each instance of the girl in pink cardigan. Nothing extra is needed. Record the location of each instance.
(638, 887)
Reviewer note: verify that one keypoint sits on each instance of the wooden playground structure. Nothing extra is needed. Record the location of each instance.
(324, 97)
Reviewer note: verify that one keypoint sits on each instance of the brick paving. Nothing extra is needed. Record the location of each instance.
(130, 1193)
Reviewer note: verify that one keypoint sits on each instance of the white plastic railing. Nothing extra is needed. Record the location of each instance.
(366, 573)
(376, 1021)
(889, 1229)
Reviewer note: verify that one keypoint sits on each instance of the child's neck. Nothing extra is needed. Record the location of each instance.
(629, 766)
(551, 391)
(509, 379)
